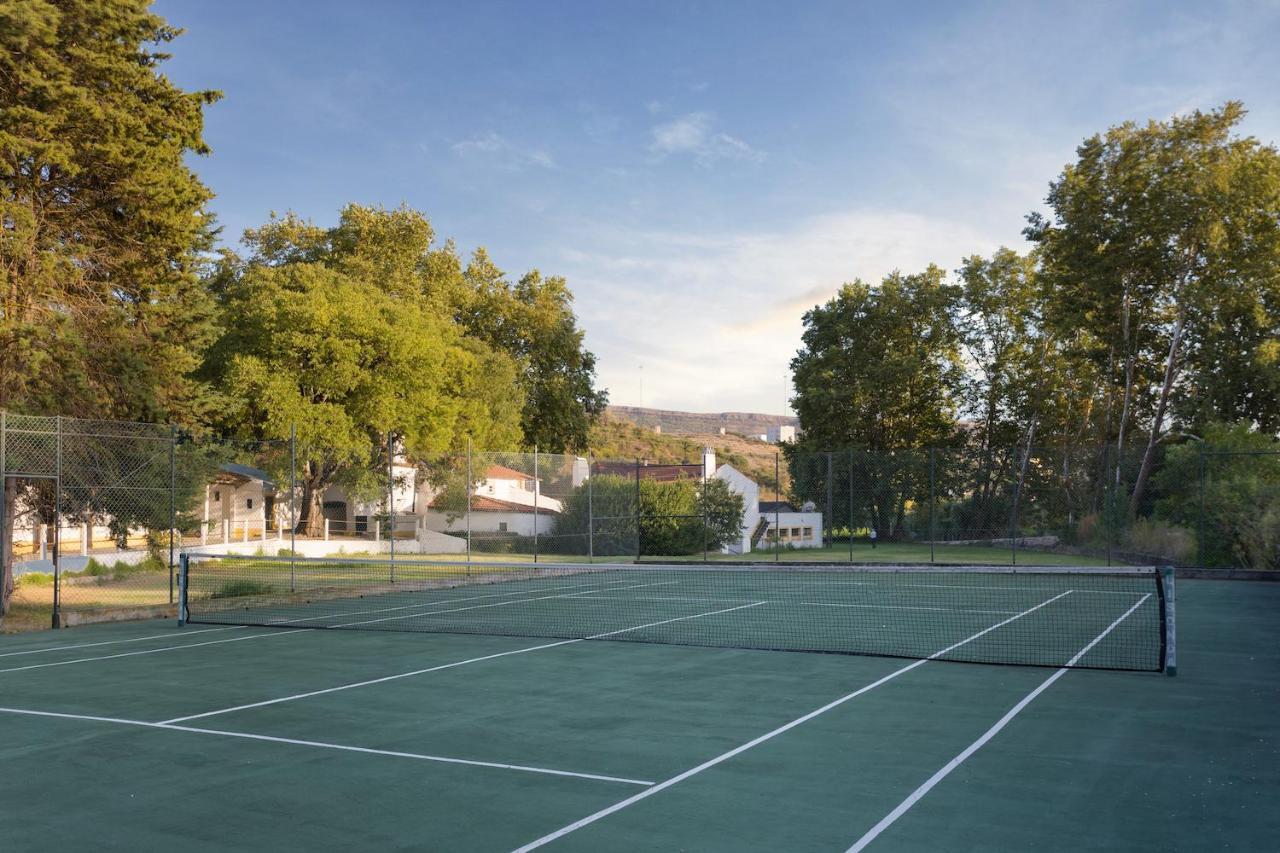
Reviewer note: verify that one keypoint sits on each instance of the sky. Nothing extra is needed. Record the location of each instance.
(701, 173)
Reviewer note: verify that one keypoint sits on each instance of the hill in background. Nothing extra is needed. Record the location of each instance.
(698, 423)
(617, 438)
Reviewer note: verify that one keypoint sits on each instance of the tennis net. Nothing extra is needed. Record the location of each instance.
(1002, 615)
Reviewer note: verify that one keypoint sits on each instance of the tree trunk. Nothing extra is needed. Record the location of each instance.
(311, 514)
(1148, 456)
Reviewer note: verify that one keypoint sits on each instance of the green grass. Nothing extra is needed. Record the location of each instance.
(896, 552)
(241, 588)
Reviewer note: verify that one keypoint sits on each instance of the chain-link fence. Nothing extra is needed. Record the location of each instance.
(95, 511)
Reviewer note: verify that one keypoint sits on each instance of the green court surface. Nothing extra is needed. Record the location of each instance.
(147, 736)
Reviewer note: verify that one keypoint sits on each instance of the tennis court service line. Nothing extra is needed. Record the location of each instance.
(384, 679)
(441, 601)
(903, 807)
(442, 759)
(786, 727)
(116, 642)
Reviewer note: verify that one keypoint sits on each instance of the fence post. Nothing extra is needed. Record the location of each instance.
(468, 513)
(777, 508)
(705, 520)
(828, 521)
(591, 515)
(264, 521)
(5, 535)
(85, 535)
(1203, 530)
(391, 501)
(537, 487)
(326, 529)
(1013, 510)
(850, 504)
(933, 505)
(57, 515)
(639, 516)
(173, 500)
(293, 507)
(1106, 498)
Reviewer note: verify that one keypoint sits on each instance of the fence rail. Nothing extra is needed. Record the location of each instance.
(96, 512)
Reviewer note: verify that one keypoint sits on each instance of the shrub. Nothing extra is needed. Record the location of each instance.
(242, 588)
(1161, 539)
(35, 579)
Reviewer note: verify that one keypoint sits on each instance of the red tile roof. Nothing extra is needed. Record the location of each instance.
(502, 472)
(660, 473)
(480, 503)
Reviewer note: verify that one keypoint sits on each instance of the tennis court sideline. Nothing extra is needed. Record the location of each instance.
(518, 722)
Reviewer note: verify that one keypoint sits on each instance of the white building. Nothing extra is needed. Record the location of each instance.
(504, 501)
(781, 433)
(764, 522)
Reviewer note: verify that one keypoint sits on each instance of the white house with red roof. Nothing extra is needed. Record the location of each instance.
(504, 500)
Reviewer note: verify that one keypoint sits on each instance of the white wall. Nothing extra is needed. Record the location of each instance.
(789, 522)
(743, 485)
(521, 523)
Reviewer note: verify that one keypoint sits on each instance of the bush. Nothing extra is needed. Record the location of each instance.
(242, 588)
(1160, 539)
(35, 579)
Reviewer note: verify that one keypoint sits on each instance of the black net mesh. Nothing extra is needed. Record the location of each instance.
(1004, 616)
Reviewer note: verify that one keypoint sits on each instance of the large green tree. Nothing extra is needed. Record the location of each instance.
(879, 367)
(1163, 240)
(533, 321)
(326, 332)
(101, 220)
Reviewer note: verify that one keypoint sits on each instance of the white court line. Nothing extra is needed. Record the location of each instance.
(254, 637)
(719, 759)
(156, 651)
(1022, 591)
(325, 745)
(432, 603)
(933, 780)
(437, 668)
(899, 607)
(497, 604)
(114, 642)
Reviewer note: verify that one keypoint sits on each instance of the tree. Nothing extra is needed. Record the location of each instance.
(1152, 229)
(322, 335)
(1226, 492)
(101, 221)
(679, 518)
(534, 322)
(879, 367)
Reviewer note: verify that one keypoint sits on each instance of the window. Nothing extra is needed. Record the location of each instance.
(248, 503)
(502, 527)
(491, 491)
(795, 532)
(217, 496)
(808, 533)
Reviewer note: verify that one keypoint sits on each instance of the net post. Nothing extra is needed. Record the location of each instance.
(1168, 621)
(184, 569)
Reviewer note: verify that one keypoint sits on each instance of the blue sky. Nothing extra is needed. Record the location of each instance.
(701, 172)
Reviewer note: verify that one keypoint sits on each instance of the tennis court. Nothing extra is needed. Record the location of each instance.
(599, 707)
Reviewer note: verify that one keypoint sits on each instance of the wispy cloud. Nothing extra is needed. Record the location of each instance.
(694, 134)
(497, 149)
(716, 318)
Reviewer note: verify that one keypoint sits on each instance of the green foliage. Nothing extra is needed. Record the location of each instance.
(1239, 470)
(672, 517)
(879, 367)
(242, 588)
(533, 322)
(102, 310)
